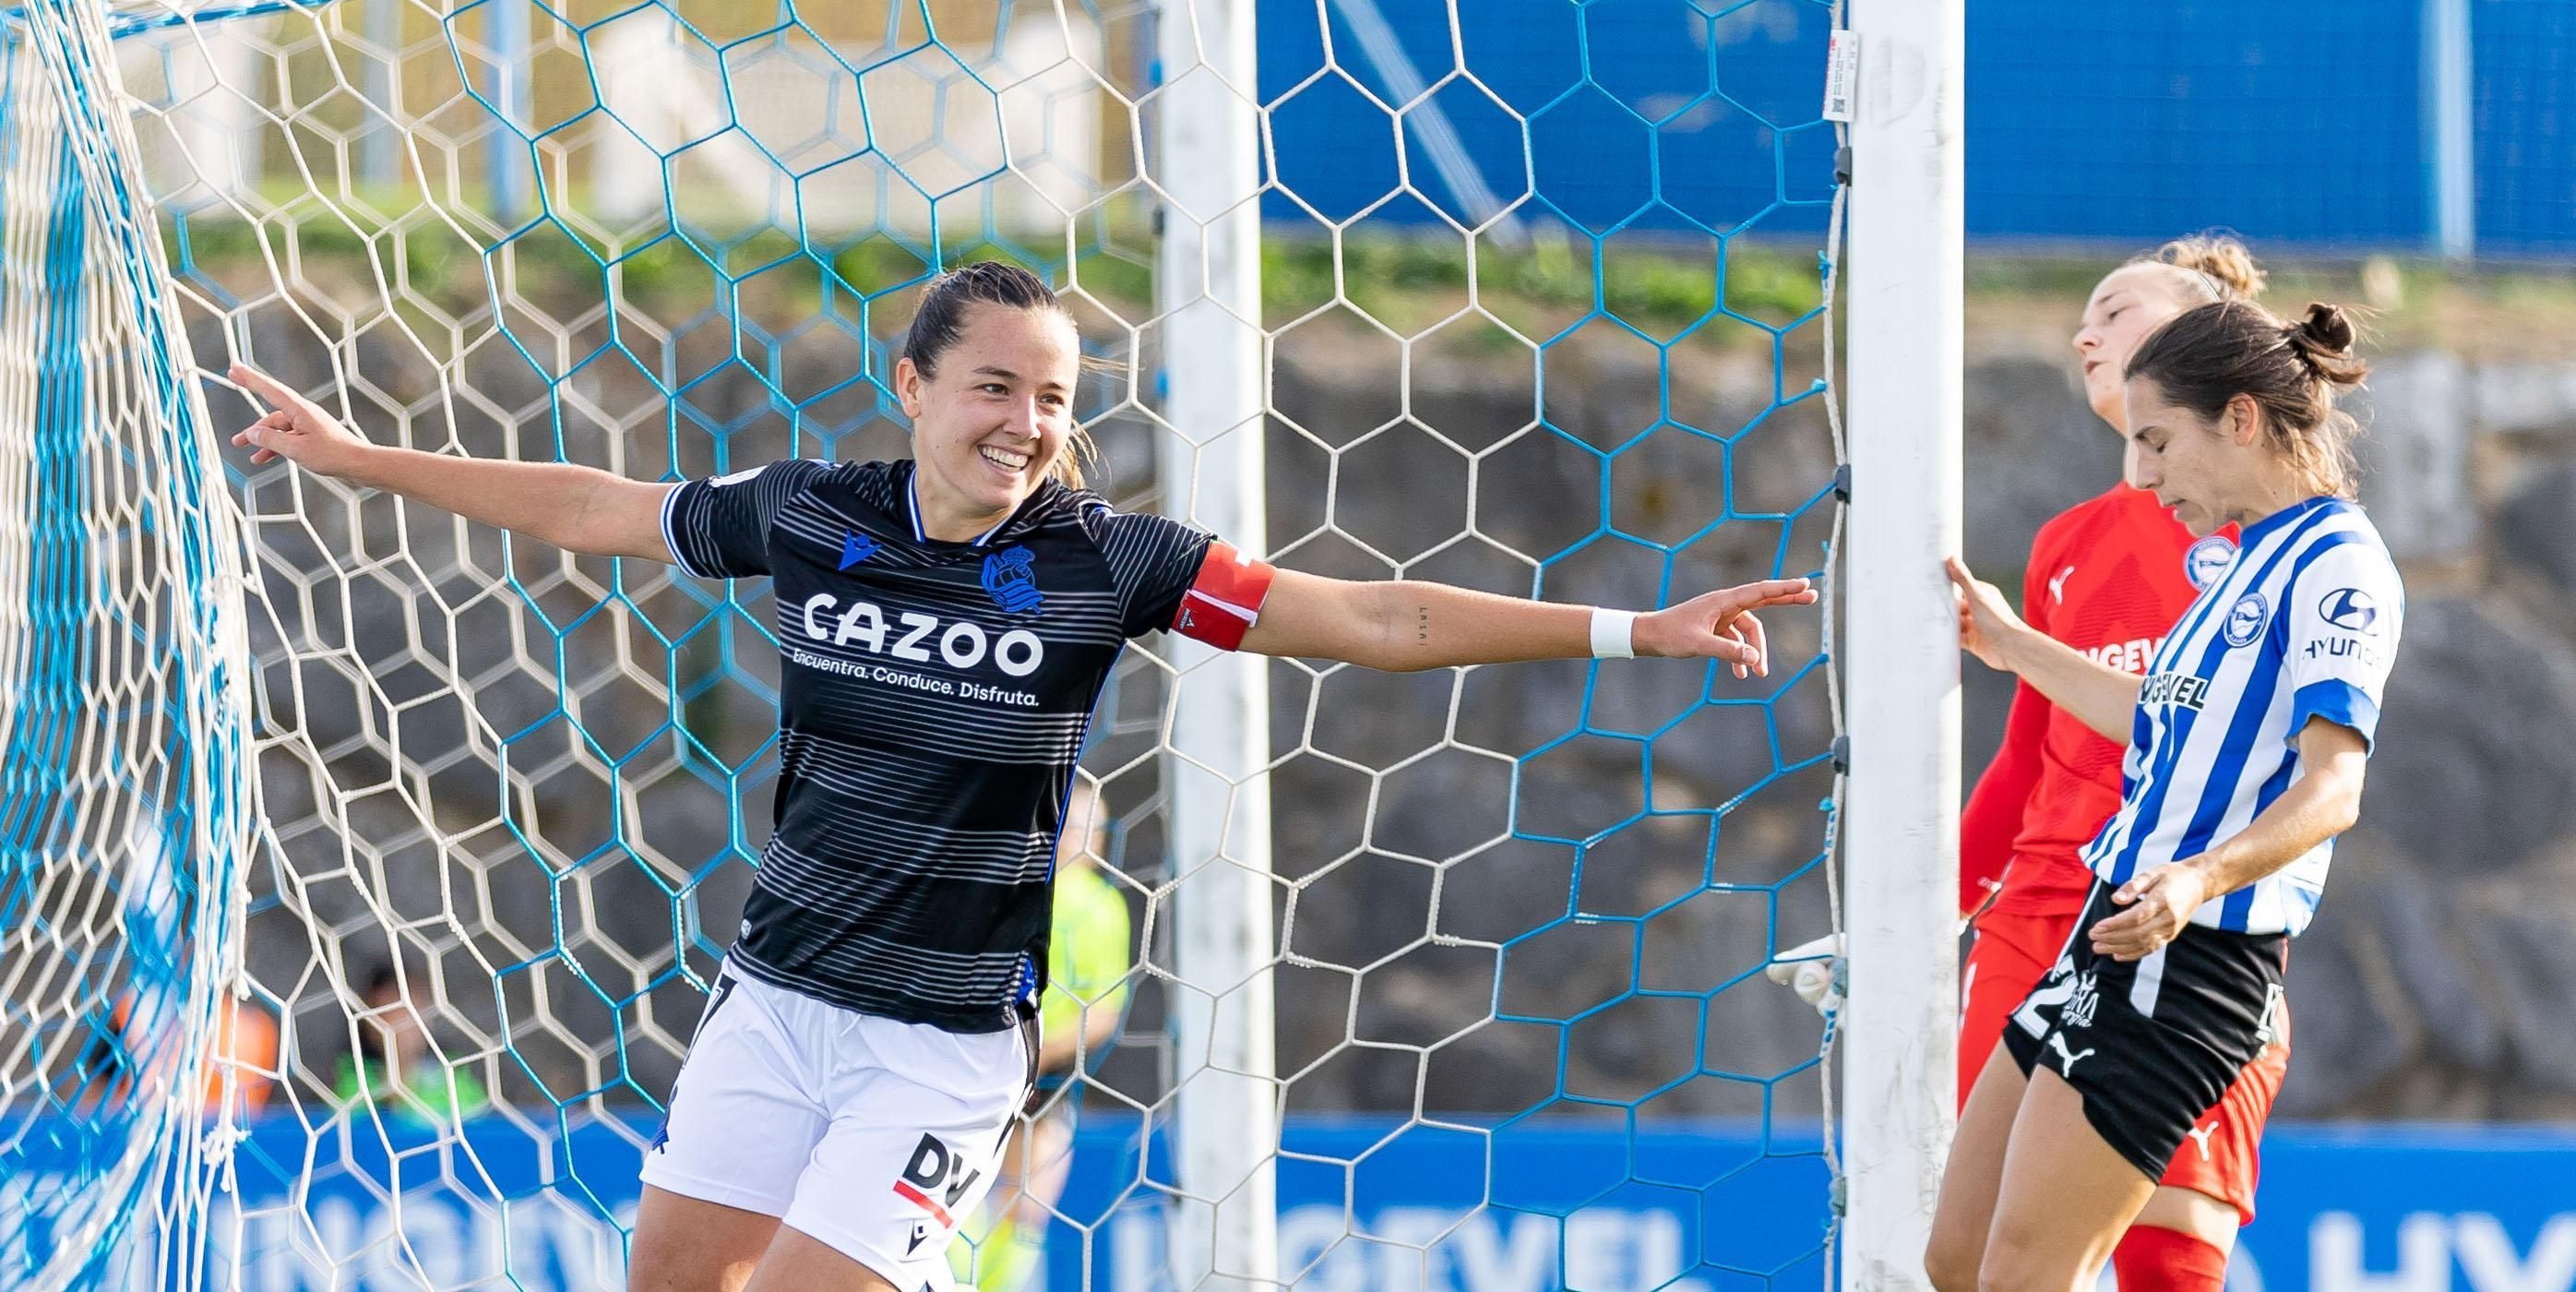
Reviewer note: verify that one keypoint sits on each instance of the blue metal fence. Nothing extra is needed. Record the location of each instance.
(2301, 122)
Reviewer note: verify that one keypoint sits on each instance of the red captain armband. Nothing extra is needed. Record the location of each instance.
(1224, 602)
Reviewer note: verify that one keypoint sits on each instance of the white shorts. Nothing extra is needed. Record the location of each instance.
(873, 1137)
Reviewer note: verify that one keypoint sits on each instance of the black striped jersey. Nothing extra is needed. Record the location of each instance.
(933, 698)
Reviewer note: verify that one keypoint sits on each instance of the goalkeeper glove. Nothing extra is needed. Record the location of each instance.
(1814, 970)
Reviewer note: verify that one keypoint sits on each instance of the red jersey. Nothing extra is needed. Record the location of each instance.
(2109, 577)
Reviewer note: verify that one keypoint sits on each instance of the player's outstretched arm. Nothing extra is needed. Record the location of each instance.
(2100, 696)
(578, 508)
(1404, 625)
(2323, 802)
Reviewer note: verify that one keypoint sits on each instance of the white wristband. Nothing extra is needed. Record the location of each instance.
(1614, 634)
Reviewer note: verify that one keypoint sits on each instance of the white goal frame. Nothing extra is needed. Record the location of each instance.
(1901, 667)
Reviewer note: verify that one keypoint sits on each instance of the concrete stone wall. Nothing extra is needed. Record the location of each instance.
(2435, 983)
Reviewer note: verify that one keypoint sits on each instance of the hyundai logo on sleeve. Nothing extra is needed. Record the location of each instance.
(2349, 609)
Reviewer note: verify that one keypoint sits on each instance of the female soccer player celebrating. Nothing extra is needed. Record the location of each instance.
(2247, 743)
(2109, 577)
(946, 624)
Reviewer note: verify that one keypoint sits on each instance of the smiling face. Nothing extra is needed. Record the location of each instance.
(991, 417)
(2204, 469)
(2126, 305)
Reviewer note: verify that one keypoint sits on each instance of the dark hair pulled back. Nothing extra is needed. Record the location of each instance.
(2204, 357)
(940, 320)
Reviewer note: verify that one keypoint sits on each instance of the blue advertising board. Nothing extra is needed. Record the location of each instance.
(1371, 1205)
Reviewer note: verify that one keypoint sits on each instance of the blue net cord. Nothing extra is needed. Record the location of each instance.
(124, 794)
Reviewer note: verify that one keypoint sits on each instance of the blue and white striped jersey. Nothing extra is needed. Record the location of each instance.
(2303, 624)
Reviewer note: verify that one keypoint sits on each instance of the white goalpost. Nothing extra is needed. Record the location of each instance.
(1900, 1016)
(1209, 456)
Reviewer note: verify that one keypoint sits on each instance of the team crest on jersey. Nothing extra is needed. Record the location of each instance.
(2350, 609)
(2246, 618)
(2207, 560)
(1009, 582)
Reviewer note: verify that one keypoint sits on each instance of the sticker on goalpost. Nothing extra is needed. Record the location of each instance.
(1842, 69)
(1224, 602)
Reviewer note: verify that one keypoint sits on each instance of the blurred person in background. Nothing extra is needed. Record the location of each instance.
(1090, 955)
(393, 1066)
(241, 1056)
(146, 1022)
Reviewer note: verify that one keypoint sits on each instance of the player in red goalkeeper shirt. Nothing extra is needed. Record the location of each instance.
(2109, 577)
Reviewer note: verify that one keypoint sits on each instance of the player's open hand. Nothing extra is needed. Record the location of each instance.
(295, 428)
(2159, 902)
(1721, 625)
(1986, 620)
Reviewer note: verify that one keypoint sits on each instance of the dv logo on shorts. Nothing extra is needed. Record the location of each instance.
(935, 1179)
(1008, 581)
(2267, 1029)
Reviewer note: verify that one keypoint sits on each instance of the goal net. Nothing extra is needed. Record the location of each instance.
(365, 870)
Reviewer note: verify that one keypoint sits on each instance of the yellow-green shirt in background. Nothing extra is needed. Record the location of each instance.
(1088, 952)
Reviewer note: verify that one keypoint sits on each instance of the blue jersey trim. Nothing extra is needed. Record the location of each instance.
(2263, 528)
(912, 508)
(2339, 702)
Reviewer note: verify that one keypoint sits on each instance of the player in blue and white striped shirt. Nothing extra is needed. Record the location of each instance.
(2248, 739)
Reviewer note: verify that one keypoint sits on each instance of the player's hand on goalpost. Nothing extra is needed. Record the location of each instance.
(2100, 696)
(1987, 624)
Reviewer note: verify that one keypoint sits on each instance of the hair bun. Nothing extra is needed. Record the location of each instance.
(2326, 329)
(2325, 339)
(2220, 258)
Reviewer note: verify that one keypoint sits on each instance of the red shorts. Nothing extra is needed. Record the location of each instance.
(2222, 1158)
